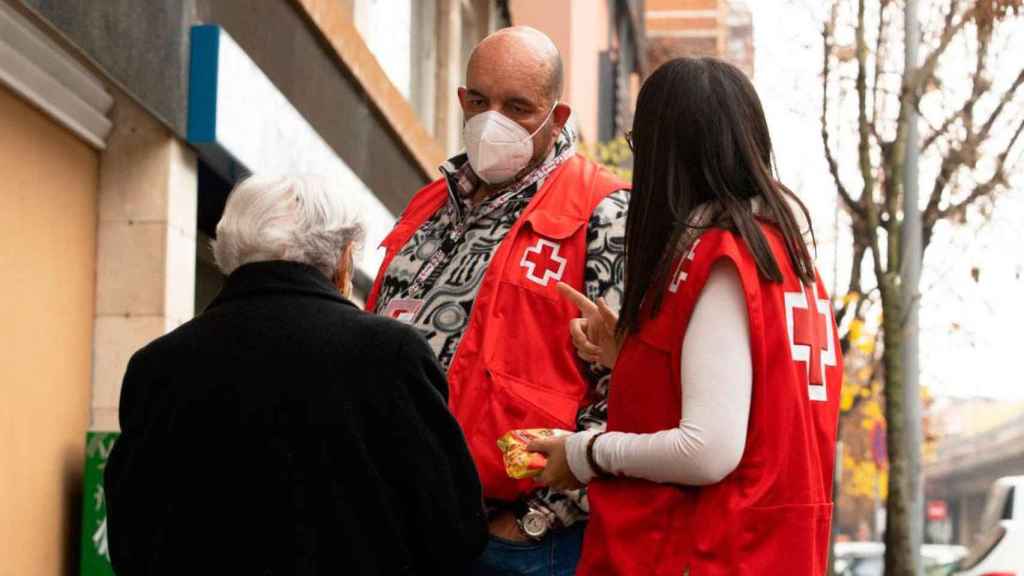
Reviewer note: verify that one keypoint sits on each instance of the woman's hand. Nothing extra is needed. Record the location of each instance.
(557, 473)
(593, 334)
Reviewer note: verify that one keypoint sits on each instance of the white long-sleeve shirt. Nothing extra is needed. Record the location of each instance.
(717, 379)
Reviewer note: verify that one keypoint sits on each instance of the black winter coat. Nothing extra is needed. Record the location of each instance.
(285, 431)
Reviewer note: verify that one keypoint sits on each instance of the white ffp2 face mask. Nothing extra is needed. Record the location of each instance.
(498, 147)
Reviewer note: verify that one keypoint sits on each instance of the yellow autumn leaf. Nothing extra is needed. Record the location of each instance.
(866, 346)
(846, 395)
(929, 451)
(865, 480)
(856, 330)
(872, 415)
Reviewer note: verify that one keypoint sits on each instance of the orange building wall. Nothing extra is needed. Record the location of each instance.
(699, 28)
(47, 251)
(679, 23)
(589, 39)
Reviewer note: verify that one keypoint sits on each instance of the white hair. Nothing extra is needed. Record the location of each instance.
(296, 218)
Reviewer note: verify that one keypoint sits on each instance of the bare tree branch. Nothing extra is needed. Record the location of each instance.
(956, 157)
(967, 151)
(941, 130)
(987, 187)
(855, 287)
(979, 82)
(878, 104)
(951, 162)
(833, 165)
(979, 85)
(867, 197)
(924, 74)
(915, 81)
(863, 126)
(1007, 97)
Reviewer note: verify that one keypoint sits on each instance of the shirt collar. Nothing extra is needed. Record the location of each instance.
(276, 277)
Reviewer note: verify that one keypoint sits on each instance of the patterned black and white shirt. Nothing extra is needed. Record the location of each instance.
(446, 295)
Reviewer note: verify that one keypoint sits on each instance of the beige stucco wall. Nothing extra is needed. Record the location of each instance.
(47, 254)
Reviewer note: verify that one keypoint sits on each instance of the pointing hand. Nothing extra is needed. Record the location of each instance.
(593, 333)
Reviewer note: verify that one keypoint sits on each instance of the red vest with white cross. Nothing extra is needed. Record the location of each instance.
(770, 516)
(515, 366)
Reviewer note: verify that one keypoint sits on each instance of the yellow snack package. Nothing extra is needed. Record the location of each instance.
(519, 463)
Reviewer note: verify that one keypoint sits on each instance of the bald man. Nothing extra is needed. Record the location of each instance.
(473, 263)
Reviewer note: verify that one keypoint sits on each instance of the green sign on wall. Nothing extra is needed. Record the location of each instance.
(95, 552)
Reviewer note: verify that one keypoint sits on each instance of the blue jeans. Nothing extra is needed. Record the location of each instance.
(555, 555)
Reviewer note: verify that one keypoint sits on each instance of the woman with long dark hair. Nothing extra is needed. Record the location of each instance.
(723, 404)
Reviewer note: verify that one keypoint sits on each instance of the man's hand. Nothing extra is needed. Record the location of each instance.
(557, 473)
(593, 334)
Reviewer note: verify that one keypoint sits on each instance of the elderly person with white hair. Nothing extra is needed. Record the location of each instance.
(284, 430)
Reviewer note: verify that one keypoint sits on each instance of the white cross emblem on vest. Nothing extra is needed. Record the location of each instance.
(543, 258)
(681, 275)
(809, 322)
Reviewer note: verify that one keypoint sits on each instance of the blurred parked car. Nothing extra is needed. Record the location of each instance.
(868, 559)
(999, 549)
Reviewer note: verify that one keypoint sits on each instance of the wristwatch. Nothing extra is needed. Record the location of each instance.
(535, 521)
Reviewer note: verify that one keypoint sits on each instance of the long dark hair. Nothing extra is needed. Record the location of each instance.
(701, 139)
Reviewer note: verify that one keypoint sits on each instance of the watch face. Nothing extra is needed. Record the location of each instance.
(535, 524)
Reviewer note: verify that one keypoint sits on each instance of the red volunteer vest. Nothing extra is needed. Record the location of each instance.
(770, 516)
(515, 366)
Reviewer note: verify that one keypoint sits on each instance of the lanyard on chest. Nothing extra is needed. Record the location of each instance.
(452, 237)
(456, 231)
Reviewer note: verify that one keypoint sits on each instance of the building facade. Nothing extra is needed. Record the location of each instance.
(978, 442)
(719, 28)
(602, 43)
(123, 126)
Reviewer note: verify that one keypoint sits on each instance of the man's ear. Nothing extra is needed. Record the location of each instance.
(462, 99)
(561, 115)
(346, 271)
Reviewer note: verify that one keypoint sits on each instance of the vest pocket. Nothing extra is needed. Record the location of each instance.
(518, 404)
(512, 404)
(553, 225)
(534, 347)
(790, 539)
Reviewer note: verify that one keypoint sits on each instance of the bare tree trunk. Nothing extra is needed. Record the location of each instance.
(897, 521)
